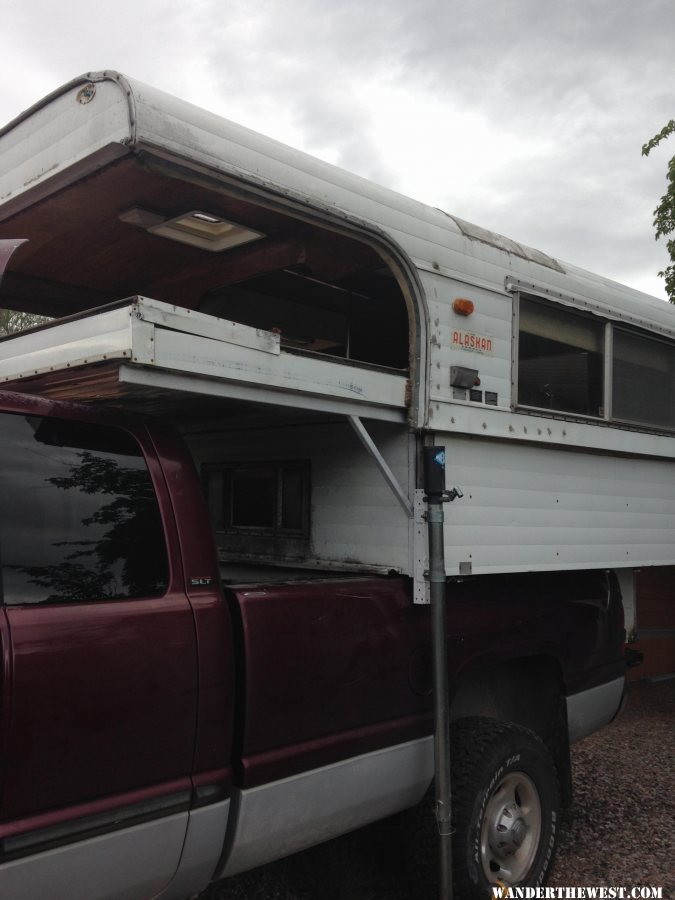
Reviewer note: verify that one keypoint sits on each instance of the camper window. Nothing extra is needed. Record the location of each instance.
(262, 498)
(643, 376)
(560, 359)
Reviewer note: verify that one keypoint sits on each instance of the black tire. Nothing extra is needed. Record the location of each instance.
(505, 812)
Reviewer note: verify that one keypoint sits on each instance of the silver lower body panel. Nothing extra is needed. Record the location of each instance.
(589, 710)
(284, 817)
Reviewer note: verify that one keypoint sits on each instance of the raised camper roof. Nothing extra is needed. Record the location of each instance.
(123, 190)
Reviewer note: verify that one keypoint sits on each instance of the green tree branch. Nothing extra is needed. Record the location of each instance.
(664, 214)
(11, 321)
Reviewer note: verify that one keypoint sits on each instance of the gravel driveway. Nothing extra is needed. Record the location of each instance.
(621, 830)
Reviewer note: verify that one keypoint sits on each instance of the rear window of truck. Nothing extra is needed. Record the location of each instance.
(79, 519)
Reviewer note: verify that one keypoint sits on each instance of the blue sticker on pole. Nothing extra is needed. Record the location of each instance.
(439, 459)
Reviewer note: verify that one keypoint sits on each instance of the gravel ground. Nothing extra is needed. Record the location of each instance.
(622, 827)
(620, 832)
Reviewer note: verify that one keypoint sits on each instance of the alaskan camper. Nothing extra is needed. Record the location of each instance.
(219, 655)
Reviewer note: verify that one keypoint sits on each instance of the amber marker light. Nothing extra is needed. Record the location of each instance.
(462, 307)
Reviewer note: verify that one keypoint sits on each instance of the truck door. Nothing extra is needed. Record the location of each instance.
(100, 651)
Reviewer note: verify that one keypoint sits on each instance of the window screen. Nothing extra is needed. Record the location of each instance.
(643, 380)
(267, 498)
(560, 359)
(79, 520)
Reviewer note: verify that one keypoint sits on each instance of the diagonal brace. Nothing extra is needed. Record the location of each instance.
(382, 465)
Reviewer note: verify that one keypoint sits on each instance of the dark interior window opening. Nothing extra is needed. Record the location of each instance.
(359, 318)
(560, 359)
(643, 376)
(260, 498)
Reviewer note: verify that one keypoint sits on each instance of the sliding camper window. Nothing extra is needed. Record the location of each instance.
(560, 359)
(643, 380)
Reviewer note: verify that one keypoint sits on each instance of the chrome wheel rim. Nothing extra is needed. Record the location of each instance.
(511, 830)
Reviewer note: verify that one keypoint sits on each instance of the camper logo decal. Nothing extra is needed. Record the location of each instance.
(86, 94)
(476, 343)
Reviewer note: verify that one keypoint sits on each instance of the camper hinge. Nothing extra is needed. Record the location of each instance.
(421, 592)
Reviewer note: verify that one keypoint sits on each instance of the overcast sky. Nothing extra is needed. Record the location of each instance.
(524, 116)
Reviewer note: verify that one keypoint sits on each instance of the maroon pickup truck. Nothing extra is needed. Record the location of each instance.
(165, 723)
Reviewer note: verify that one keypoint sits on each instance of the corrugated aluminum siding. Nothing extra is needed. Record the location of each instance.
(529, 507)
(354, 517)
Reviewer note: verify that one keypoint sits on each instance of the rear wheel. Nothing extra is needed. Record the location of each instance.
(505, 809)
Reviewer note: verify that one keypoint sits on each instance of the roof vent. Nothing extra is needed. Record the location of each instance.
(196, 227)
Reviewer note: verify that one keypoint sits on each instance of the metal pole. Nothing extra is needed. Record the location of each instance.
(436, 496)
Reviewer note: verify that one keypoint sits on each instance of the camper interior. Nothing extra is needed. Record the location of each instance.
(287, 479)
(141, 225)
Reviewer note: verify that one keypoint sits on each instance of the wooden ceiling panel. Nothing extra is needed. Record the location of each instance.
(79, 250)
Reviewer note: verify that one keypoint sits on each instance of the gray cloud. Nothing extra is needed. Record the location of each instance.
(549, 102)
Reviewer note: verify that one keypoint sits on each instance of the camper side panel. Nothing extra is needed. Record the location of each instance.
(480, 342)
(531, 507)
(70, 130)
(351, 515)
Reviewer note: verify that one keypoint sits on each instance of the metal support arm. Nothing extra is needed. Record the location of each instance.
(382, 465)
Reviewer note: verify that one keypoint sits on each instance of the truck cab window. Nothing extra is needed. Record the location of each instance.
(79, 519)
(560, 359)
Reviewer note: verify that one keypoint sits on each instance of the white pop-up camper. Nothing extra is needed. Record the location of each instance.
(311, 331)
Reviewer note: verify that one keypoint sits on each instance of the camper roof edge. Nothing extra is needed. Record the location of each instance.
(124, 115)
